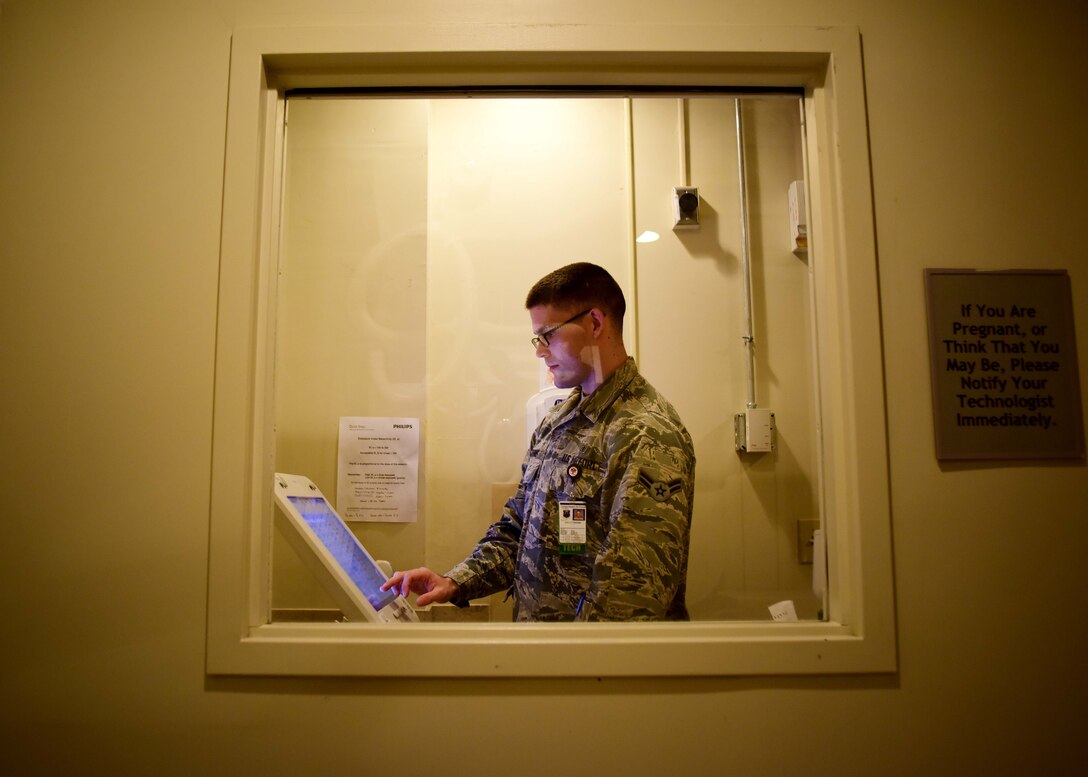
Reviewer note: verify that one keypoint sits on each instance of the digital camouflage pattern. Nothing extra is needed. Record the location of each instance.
(624, 451)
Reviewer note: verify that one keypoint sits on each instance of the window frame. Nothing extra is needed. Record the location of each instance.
(826, 64)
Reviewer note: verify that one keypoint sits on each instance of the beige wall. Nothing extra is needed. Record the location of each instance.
(111, 156)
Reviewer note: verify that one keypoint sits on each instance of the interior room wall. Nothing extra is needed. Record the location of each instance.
(692, 323)
(111, 163)
(520, 187)
(351, 307)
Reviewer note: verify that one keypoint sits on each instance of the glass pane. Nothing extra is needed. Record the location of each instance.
(413, 229)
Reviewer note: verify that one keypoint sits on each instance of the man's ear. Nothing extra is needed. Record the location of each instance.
(597, 316)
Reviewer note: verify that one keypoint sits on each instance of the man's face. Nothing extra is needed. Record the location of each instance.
(568, 353)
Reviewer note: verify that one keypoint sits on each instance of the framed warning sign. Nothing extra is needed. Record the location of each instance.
(1003, 365)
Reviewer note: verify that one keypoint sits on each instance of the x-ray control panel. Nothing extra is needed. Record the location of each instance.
(333, 553)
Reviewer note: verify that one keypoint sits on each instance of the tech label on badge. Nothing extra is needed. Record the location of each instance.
(572, 528)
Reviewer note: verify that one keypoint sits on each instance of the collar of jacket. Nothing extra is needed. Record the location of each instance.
(606, 393)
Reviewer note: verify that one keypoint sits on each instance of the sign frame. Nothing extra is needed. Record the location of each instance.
(1003, 365)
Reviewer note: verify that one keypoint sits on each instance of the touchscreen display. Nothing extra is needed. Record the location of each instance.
(343, 546)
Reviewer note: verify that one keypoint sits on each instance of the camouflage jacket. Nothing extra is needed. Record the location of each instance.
(625, 454)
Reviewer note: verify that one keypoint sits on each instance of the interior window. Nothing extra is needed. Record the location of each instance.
(413, 226)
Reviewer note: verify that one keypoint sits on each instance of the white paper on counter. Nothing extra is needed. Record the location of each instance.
(783, 612)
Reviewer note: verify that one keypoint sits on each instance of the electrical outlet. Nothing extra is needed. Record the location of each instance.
(685, 207)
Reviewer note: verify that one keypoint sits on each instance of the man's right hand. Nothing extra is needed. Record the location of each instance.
(431, 587)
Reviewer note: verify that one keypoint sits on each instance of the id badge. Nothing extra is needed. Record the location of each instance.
(572, 528)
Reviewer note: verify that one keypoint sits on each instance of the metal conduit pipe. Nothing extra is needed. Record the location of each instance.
(746, 258)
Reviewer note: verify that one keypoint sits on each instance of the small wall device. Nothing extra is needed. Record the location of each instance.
(685, 207)
(754, 431)
(332, 552)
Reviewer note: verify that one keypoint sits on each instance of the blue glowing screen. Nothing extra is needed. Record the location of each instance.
(343, 546)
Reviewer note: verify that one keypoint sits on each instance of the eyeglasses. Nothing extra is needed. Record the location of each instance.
(542, 338)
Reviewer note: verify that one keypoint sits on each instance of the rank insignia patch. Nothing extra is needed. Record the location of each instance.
(660, 490)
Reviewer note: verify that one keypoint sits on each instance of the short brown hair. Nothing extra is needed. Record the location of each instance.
(579, 285)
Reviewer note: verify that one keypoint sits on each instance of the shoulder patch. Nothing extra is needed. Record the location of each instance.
(660, 490)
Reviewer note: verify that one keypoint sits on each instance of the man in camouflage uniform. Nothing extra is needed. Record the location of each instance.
(599, 526)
